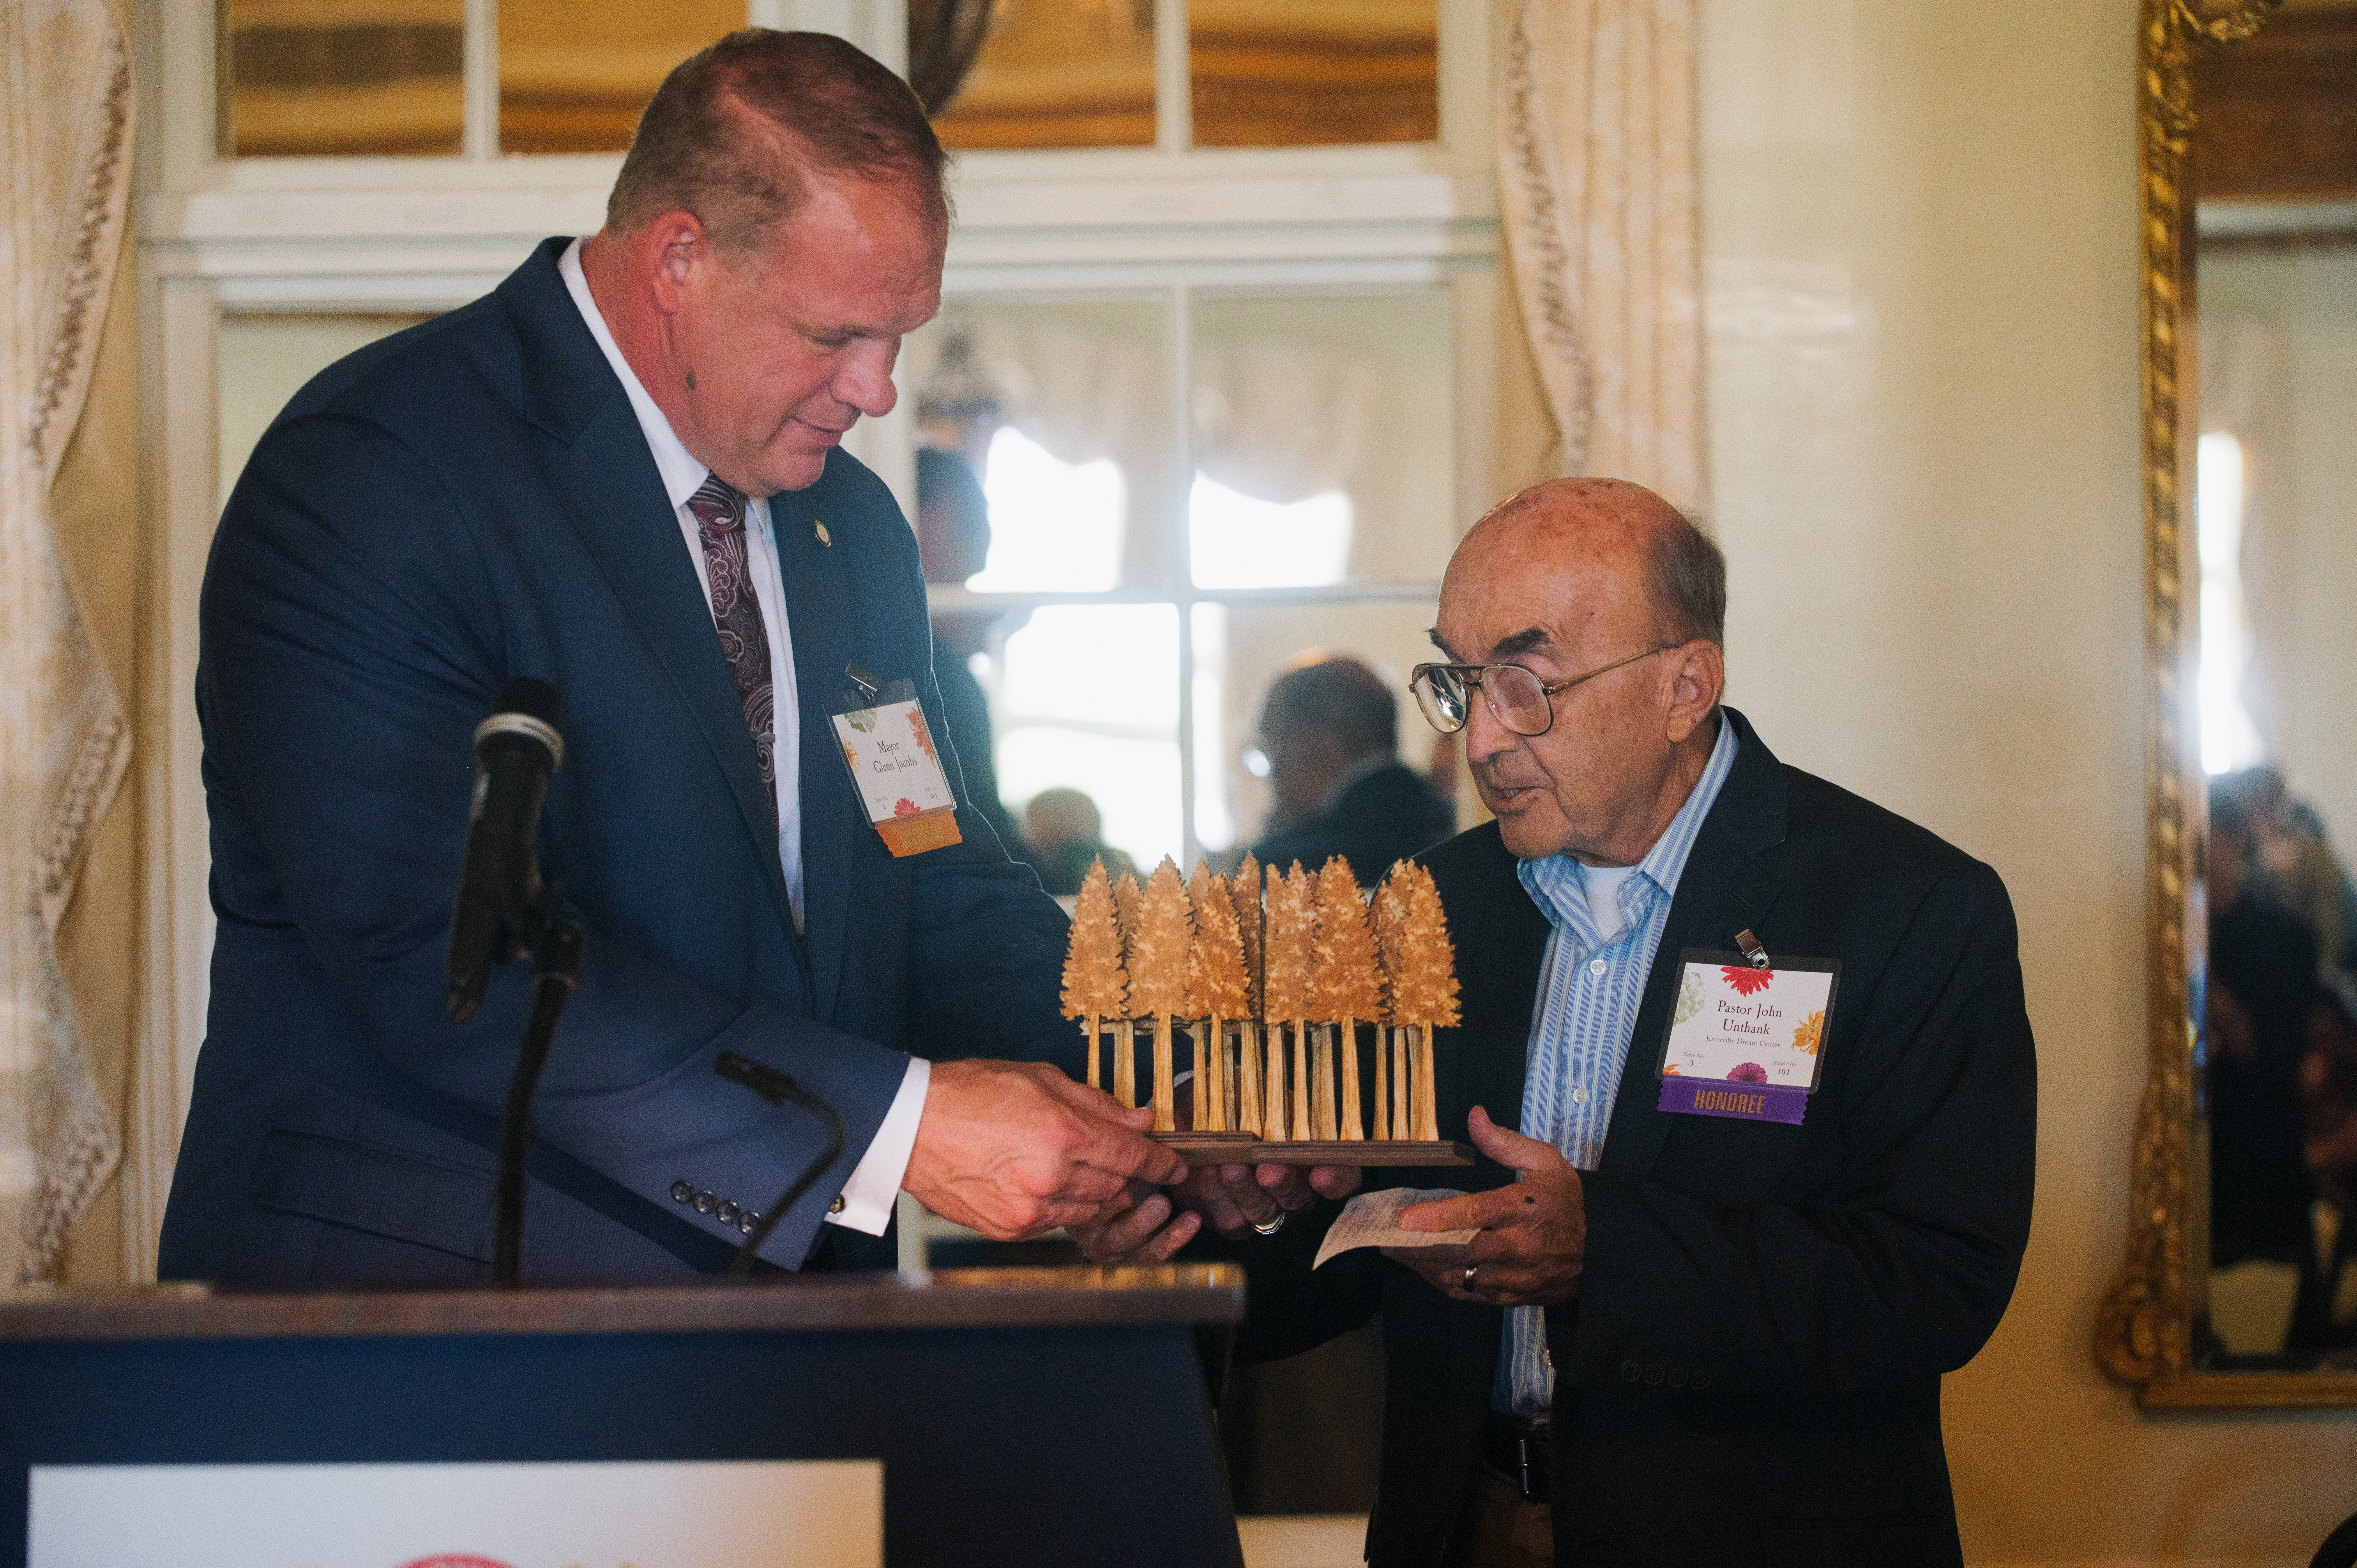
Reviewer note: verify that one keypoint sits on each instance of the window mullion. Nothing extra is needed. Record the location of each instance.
(1177, 558)
(1174, 104)
(481, 136)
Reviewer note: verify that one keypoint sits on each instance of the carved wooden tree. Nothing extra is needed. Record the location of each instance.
(1157, 976)
(1346, 986)
(1125, 901)
(1096, 988)
(1216, 994)
(1391, 926)
(1244, 894)
(1292, 918)
(1424, 998)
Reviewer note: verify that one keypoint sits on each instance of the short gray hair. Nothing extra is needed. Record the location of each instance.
(1689, 582)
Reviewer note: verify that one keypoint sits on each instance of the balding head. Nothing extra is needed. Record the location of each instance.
(1686, 573)
(1604, 591)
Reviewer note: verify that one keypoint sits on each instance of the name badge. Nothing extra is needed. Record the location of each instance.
(1747, 1035)
(889, 750)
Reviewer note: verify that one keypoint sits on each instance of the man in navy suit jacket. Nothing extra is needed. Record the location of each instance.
(514, 490)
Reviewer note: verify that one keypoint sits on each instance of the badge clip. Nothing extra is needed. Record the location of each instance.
(868, 685)
(1751, 950)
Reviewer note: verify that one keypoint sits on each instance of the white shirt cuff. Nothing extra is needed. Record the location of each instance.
(875, 1185)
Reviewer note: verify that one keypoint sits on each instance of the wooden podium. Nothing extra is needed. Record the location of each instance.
(1033, 1416)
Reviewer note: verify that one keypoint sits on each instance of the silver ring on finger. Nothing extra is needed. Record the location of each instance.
(1273, 1227)
(1470, 1270)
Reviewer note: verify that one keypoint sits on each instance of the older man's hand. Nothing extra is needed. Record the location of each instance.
(1234, 1199)
(1013, 1149)
(1533, 1242)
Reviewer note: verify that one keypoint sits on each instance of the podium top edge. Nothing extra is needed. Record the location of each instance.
(944, 1298)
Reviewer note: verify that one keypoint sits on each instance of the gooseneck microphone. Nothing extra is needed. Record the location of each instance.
(505, 912)
(501, 900)
(780, 1089)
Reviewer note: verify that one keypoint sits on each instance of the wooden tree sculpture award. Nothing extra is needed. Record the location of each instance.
(1296, 962)
(1096, 987)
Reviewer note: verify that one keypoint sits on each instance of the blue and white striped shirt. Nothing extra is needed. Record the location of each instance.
(1590, 989)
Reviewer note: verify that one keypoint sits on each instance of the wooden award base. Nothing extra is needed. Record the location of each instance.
(1244, 1149)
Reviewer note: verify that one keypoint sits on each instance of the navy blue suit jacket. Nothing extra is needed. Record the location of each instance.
(465, 502)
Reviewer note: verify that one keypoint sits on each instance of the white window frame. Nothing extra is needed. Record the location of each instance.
(219, 236)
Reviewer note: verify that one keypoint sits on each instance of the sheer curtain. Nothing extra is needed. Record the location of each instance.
(65, 144)
(1596, 179)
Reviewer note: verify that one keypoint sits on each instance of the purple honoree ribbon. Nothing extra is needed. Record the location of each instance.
(1724, 1097)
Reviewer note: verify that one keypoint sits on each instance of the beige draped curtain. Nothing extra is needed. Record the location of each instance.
(65, 743)
(1597, 196)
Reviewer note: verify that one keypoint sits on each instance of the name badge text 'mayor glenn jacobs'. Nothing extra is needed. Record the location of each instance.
(887, 745)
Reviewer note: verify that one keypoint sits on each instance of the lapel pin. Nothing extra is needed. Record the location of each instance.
(819, 529)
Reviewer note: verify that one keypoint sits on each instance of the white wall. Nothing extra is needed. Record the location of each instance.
(1920, 223)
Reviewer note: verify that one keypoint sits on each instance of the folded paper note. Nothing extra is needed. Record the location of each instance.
(1371, 1220)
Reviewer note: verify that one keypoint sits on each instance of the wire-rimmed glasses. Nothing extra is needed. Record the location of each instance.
(1518, 699)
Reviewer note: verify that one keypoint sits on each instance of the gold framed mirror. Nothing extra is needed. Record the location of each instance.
(2240, 1284)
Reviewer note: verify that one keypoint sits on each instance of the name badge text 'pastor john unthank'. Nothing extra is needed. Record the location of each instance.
(1747, 1035)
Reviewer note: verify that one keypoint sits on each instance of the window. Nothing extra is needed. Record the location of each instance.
(1241, 73)
(323, 170)
(1188, 489)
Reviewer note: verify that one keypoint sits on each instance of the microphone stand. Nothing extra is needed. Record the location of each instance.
(779, 1091)
(557, 943)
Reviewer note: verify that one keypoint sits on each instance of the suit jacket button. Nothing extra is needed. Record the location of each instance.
(1654, 1375)
(836, 1206)
(1630, 1371)
(746, 1219)
(1677, 1377)
(704, 1202)
(683, 1192)
(727, 1215)
(1701, 1379)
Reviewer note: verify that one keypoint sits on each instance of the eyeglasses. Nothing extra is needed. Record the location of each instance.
(1518, 699)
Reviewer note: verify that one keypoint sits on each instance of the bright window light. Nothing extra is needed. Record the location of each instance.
(1242, 541)
(1215, 829)
(2229, 739)
(1089, 700)
(1055, 526)
(1134, 782)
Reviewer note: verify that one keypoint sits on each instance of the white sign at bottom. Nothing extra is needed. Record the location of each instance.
(802, 1513)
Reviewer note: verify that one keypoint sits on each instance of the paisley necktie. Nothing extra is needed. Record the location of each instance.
(719, 512)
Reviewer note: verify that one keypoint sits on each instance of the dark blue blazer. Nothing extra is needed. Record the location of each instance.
(465, 502)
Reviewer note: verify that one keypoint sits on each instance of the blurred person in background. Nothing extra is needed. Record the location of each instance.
(2292, 862)
(1062, 831)
(952, 544)
(1330, 729)
(2262, 985)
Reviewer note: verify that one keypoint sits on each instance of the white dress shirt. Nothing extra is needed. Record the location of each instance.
(867, 1196)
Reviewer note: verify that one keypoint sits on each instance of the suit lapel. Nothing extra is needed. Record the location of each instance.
(1724, 890)
(825, 637)
(606, 480)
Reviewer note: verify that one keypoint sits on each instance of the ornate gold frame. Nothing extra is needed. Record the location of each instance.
(2143, 1330)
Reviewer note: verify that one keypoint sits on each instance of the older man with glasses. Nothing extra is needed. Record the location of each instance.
(1704, 1317)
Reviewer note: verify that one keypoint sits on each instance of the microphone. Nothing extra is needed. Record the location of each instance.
(500, 910)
